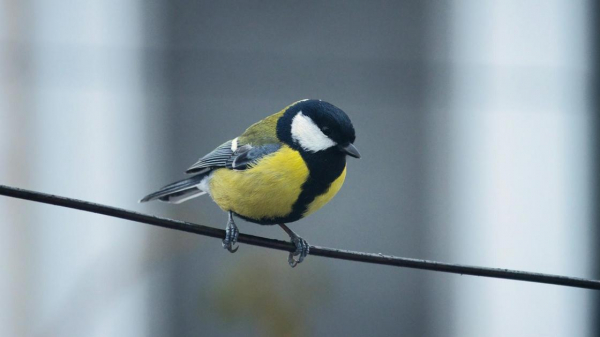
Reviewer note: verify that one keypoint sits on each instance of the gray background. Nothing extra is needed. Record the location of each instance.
(475, 120)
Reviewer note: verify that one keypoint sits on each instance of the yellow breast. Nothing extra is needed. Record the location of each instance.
(267, 190)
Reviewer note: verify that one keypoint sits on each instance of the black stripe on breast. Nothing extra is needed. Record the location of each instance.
(324, 168)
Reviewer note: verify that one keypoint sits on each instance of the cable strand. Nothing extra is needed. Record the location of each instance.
(288, 246)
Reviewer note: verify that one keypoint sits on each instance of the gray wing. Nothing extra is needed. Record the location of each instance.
(242, 158)
(216, 158)
(246, 156)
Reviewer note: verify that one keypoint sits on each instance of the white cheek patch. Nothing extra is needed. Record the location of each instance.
(308, 134)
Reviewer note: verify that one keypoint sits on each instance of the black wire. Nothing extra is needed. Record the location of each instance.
(287, 246)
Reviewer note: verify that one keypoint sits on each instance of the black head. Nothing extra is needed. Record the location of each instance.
(312, 126)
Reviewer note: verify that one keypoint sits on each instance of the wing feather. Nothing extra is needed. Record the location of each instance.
(246, 156)
(216, 158)
(242, 158)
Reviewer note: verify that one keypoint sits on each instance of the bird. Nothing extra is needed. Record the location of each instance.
(280, 170)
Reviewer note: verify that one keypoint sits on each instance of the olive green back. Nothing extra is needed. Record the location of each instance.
(263, 132)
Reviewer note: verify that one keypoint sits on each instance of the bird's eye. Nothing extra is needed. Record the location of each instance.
(326, 130)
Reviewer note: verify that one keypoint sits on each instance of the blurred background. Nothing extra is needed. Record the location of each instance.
(477, 121)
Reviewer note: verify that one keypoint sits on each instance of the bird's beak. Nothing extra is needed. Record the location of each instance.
(349, 150)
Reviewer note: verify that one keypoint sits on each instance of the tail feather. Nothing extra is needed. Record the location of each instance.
(179, 191)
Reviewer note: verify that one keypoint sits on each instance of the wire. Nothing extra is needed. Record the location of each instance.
(287, 246)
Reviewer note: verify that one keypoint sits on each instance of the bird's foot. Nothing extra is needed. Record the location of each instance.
(231, 235)
(302, 250)
(302, 247)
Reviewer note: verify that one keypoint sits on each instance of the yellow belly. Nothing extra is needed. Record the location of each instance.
(267, 190)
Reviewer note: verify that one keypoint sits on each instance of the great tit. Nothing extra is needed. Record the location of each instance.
(278, 171)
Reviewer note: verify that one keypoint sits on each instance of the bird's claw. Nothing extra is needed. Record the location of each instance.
(231, 236)
(302, 250)
(229, 247)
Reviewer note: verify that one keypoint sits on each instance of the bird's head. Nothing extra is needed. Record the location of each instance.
(313, 126)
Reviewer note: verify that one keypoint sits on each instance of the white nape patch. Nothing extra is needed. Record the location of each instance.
(308, 134)
(234, 145)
